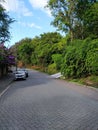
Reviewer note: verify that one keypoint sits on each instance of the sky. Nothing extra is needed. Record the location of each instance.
(31, 19)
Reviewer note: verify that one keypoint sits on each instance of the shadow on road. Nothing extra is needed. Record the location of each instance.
(35, 79)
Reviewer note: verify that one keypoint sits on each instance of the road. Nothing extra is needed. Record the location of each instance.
(43, 103)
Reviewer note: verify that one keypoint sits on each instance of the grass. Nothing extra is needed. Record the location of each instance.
(90, 81)
(93, 80)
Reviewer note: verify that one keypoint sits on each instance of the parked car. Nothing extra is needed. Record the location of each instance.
(26, 71)
(19, 74)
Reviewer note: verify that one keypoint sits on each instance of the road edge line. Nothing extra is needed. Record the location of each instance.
(2, 93)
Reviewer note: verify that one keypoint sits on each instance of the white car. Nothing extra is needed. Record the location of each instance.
(20, 75)
(26, 71)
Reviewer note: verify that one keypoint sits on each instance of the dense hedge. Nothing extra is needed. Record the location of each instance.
(74, 59)
(81, 58)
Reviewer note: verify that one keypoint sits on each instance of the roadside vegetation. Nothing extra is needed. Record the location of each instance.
(75, 55)
(6, 58)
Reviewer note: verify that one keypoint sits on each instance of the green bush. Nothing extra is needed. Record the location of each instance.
(81, 59)
(73, 65)
(52, 69)
(92, 58)
(57, 59)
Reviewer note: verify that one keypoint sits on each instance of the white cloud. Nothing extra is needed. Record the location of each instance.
(40, 4)
(34, 25)
(17, 6)
(31, 25)
(10, 6)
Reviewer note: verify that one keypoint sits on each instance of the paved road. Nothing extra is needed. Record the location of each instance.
(42, 103)
(5, 81)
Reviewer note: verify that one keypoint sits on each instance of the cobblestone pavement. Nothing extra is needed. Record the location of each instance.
(5, 81)
(42, 103)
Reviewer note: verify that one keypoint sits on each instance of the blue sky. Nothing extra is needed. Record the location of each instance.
(32, 19)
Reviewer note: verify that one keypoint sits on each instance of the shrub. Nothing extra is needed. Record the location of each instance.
(92, 58)
(57, 59)
(74, 63)
(52, 68)
(81, 59)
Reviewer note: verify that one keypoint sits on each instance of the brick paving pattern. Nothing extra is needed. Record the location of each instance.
(5, 81)
(41, 103)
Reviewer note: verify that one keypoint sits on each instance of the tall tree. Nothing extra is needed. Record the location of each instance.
(87, 18)
(64, 16)
(5, 22)
(76, 17)
(91, 20)
(24, 51)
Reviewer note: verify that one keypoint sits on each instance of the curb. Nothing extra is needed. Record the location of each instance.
(8, 86)
(4, 91)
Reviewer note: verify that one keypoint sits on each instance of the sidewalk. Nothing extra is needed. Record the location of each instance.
(5, 81)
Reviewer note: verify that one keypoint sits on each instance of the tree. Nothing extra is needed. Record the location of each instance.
(81, 59)
(24, 51)
(5, 22)
(64, 16)
(47, 47)
(38, 51)
(87, 19)
(75, 17)
(91, 20)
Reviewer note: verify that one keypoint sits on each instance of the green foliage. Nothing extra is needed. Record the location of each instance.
(81, 59)
(44, 47)
(5, 22)
(52, 69)
(39, 50)
(63, 13)
(57, 59)
(78, 18)
(24, 51)
(91, 20)
(92, 57)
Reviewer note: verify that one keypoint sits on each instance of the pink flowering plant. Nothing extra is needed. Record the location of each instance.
(5, 57)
